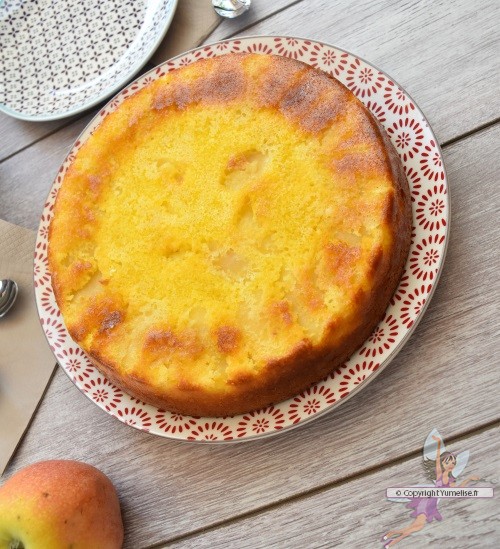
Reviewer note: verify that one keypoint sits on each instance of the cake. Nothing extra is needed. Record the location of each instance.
(229, 235)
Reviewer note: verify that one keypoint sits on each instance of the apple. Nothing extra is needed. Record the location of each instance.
(60, 504)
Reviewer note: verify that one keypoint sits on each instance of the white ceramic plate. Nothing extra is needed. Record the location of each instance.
(423, 164)
(60, 57)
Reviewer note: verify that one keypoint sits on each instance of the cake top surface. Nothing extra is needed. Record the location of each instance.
(225, 216)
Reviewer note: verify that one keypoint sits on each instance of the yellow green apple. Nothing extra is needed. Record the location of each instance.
(60, 504)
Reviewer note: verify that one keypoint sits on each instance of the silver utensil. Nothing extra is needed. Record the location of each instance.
(8, 294)
(231, 8)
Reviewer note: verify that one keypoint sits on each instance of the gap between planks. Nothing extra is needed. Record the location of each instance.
(469, 133)
(44, 136)
(324, 487)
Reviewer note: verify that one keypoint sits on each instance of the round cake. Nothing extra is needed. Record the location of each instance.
(229, 235)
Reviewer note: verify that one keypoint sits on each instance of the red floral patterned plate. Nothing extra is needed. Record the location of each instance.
(423, 164)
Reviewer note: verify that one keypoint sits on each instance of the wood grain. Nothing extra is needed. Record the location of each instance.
(25, 179)
(443, 378)
(357, 514)
(18, 134)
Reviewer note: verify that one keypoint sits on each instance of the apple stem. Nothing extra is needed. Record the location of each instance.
(16, 544)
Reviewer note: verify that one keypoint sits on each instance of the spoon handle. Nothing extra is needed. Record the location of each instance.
(8, 294)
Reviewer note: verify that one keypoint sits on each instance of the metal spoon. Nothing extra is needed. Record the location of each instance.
(8, 294)
(231, 8)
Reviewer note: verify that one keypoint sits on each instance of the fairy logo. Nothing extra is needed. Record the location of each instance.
(442, 468)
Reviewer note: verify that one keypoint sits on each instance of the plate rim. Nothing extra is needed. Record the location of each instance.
(394, 352)
(108, 92)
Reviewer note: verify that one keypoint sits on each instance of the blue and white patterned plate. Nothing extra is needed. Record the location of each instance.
(60, 57)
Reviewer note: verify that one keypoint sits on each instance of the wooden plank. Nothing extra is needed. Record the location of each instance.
(443, 377)
(25, 178)
(445, 54)
(356, 514)
(258, 12)
(16, 135)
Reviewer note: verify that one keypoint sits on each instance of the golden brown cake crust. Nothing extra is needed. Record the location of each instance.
(362, 264)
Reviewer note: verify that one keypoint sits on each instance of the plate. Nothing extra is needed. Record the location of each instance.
(60, 57)
(423, 165)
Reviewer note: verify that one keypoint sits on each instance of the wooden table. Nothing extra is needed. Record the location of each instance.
(323, 484)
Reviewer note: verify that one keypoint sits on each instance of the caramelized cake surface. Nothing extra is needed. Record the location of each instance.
(229, 235)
